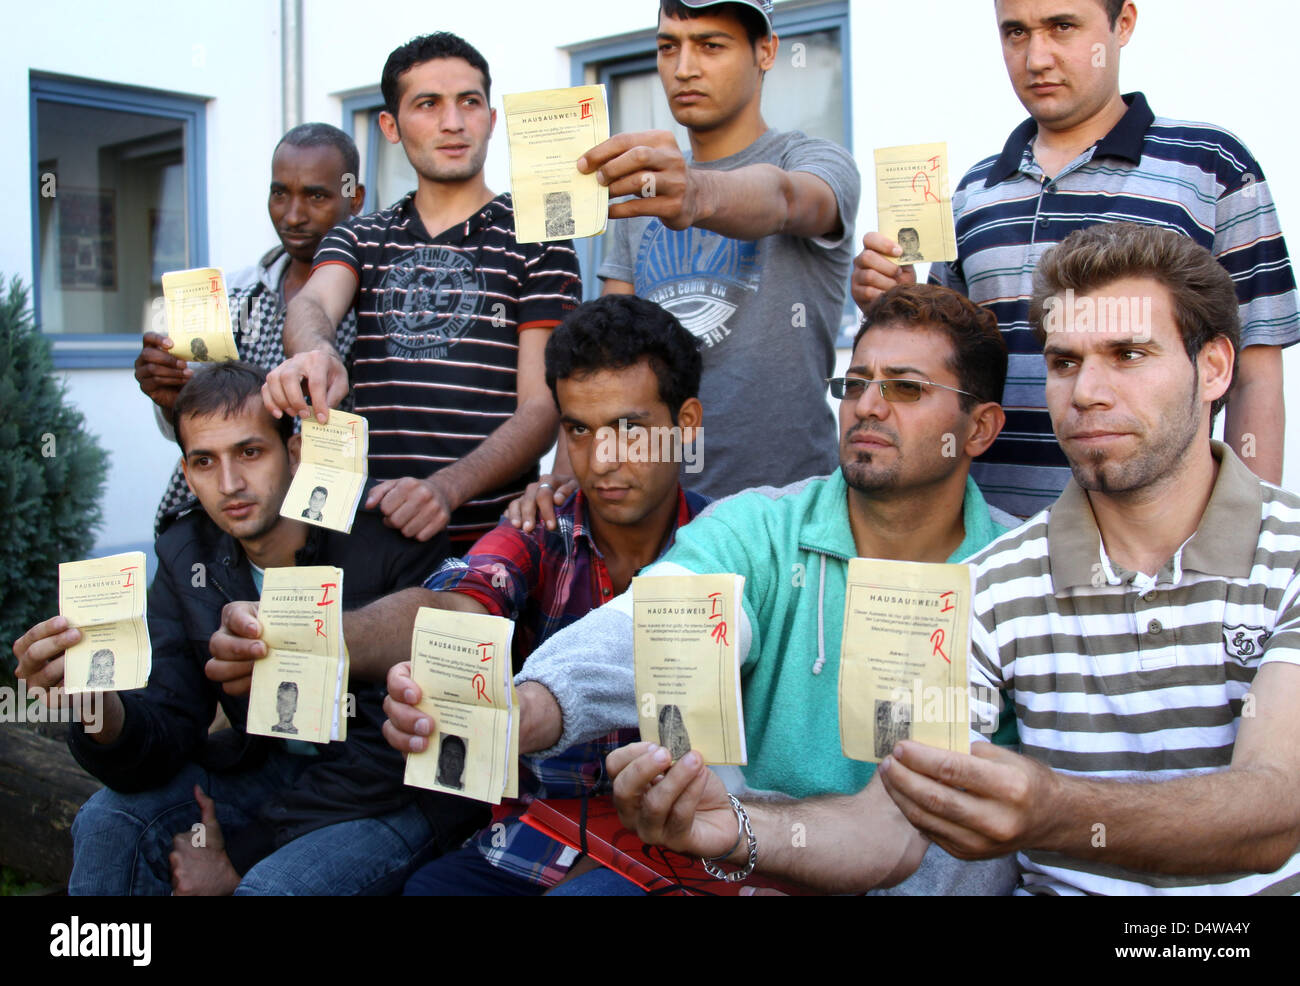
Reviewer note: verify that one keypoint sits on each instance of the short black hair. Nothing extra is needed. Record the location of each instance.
(319, 489)
(224, 388)
(324, 135)
(750, 19)
(1113, 9)
(426, 48)
(979, 352)
(619, 330)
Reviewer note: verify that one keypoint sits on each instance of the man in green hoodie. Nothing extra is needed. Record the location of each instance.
(919, 401)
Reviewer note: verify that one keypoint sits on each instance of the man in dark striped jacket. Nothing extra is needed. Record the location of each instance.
(1089, 154)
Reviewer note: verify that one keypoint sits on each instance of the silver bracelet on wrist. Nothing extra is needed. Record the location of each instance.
(743, 828)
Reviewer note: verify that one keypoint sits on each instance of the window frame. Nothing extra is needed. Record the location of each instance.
(599, 60)
(103, 350)
(361, 102)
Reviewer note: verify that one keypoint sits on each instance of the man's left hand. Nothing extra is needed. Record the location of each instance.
(417, 507)
(649, 166)
(202, 870)
(977, 806)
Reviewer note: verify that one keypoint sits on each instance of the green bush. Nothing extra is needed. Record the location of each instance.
(52, 474)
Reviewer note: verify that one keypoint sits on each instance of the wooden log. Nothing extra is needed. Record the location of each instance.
(41, 788)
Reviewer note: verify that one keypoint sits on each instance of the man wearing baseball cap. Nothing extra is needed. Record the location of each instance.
(747, 240)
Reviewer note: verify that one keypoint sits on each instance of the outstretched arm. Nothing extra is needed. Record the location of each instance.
(839, 844)
(1244, 818)
(744, 204)
(310, 332)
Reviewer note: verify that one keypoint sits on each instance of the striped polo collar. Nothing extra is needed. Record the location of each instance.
(1224, 544)
(496, 208)
(1125, 140)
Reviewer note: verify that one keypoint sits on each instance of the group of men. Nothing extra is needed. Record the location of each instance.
(1137, 628)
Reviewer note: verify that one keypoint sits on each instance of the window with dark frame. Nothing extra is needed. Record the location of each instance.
(117, 196)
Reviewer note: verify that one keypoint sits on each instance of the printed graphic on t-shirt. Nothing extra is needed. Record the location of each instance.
(700, 276)
(428, 300)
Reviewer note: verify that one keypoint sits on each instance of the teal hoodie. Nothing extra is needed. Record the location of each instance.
(793, 547)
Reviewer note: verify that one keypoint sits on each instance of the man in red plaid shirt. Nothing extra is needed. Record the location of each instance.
(625, 376)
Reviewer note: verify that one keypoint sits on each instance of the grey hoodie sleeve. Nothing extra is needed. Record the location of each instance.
(588, 667)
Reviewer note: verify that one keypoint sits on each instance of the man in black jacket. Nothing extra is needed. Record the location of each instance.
(199, 812)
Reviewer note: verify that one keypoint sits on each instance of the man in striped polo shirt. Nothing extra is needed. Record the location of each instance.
(1147, 626)
(453, 313)
(1088, 155)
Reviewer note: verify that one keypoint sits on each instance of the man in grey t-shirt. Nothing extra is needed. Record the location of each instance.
(766, 309)
(748, 242)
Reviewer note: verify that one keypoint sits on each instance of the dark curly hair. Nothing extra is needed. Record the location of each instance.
(618, 331)
(423, 49)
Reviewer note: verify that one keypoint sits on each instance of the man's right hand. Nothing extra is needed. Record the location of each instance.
(407, 729)
(874, 273)
(683, 807)
(539, 502)
(234, 647)
(40, 654)
(325, 377)
(161, 375)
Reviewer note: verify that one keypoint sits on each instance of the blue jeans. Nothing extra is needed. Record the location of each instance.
(121, 842)
(600, 882)
(467, 873)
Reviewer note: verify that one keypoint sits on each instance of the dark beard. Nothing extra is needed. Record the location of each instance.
(1155, 462)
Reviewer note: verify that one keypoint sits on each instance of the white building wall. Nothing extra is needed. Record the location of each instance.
(921, 70)
(229, 54)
